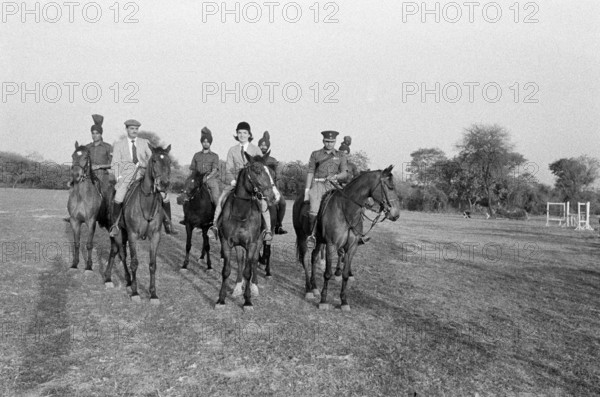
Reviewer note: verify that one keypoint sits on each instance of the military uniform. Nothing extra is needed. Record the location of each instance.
(273, 165)
(208, 165)
(324, 165)
(101, 154)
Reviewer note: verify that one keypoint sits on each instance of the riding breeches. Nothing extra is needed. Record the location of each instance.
(125, 182)
(315, 195)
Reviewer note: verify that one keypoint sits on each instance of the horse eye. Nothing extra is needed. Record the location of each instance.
(79, 152)
(162, 156)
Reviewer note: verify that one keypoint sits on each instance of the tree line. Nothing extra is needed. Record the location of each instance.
(487, 174)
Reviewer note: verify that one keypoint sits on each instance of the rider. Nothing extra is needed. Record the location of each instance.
(264, 144)
(206, 162)
(235, 162)
(100, 157)
(130, 158)
(327, 166)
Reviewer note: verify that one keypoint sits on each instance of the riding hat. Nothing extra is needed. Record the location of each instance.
(244, 126)
(132, 122)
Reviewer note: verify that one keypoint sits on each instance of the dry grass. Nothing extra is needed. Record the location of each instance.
(513, 313)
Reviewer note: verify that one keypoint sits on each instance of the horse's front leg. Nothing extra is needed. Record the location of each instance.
(226, 253)
(331, 251)
(133, 240)
(267, 259)
(154, 242)
(206, 248)
(239, 280)
(90, 243)
(114, 250)
(250, 274)
(189, 230)
(347, 273)
(312, 281)
(76, 227)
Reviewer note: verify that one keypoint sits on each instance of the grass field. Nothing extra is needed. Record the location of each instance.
(441, 306)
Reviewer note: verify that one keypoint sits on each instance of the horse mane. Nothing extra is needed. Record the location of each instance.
(355, 179)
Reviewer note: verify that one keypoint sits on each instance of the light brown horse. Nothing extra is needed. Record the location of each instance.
(142, 217)
(85, 204)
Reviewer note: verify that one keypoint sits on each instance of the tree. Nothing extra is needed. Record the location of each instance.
(488, 154)
(360, 159)
(574, 175)
(422, 165)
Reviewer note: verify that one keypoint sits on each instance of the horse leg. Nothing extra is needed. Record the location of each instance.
(114, 249)
(346, 275)
(312, 280)
(267, 259)
(189, 230)
(134, 266)
(76, 226)
(322, 258)
(239, 280)
(154, 242)
(90, 243)
(206, 248)
(250, 265)
(331, 251)
(338, 269)
(123, 255)
(225, 275)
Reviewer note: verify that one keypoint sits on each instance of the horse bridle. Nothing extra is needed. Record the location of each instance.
(256, 192)
(156, 180)
(385, 205)
(85, 166)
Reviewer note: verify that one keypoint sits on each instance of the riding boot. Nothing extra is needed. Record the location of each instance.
(167, 221)
(311, 241)
(363, 240)
(116, 211)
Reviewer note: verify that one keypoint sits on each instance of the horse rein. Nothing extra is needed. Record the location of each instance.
(257, 194)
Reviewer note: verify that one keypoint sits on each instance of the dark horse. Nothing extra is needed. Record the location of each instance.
(86, 204)
(198, 210)
(340, 225)
(142, 217)
(240, 224)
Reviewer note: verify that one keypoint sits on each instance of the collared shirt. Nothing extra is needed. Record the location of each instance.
(205, 162)
(100, 154)
(323, 164)
(131, 145)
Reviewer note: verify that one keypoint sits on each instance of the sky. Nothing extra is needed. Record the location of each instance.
(386, 73)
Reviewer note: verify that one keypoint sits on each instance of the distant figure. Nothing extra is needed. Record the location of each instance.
(467, 214)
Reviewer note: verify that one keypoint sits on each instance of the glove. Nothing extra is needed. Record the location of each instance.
(232, 183)
(306, 195)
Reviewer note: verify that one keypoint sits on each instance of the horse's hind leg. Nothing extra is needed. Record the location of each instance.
(346, 274)
(123, 255)
(154, 242)
(267, 259)
(90, 243)
(312, 281)
(76, 226)
(206, 248)
(189, 230)
(114, 249)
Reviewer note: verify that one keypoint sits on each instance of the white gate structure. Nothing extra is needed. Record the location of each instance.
(583, 218)
(562, 218)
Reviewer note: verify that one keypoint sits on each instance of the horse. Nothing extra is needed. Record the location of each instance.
(240, 225)
(199, 211)
(85, 204)
(142, 217)
(340, 226)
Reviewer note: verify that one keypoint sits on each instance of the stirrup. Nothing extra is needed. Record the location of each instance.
(363, 240)
(215, 231)
(114, 231)
(311, 241)
(267, 235)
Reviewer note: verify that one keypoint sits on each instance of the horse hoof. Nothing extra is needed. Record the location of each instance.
(309, 296)
(254, 289)
(88, 272)
(155, 301)
(183, 270)
(109, 285)
(345, 308)
(269, 278)
(220, 306)
(136, 298)
(210, 269)
(338, 278)
(316, 293)
(237, 291)
(351, 278)
(249, 308)
(324, 306)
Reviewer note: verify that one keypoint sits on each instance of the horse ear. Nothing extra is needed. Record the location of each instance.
(249, 158)
(168, 149)
(76, 144)
(388, 170)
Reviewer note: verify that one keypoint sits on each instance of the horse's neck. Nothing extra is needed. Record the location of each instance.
(360, 190)
(240, 189)
(147, 182)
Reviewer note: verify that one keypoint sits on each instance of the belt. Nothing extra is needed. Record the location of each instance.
(320, 179)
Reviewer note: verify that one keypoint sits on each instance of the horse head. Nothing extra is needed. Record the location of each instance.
(191, 186)
(386, 196)
(159, 168)
(81, 163)
(259, 182)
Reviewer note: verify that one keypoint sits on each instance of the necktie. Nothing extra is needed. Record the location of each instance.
(134, 152)
(243, 157)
